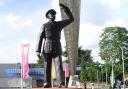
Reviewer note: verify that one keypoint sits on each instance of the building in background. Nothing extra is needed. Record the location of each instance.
(37, 74)
(13, 70)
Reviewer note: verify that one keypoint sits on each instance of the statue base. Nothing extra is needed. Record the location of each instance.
(56, 88)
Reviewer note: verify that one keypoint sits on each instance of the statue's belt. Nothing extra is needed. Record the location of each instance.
(52, 40)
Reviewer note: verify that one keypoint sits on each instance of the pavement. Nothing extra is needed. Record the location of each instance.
(56, 88)
(75, 88)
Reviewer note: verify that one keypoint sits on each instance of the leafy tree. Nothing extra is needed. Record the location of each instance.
(84, 54)
(111, 42)
(91, 72)
(107, 71)
(83, 73)
(118, 71)
(86, 67)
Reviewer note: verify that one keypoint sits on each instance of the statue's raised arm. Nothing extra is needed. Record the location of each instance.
(69, 14)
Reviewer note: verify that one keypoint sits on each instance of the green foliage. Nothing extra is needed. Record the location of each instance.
(92, 72)
(118, 71)
(40, 63)
(86, 67)
(82, 54)
(111, 42)
(83, 73)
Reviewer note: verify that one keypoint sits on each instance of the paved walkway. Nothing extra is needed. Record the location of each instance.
(56, 88)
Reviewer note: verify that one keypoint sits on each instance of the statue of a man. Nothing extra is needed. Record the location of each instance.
(51, 33)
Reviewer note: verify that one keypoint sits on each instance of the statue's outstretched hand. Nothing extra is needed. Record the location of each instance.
(63, 6)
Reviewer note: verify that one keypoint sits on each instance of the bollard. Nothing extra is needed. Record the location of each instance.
(92, 86)
(85, 85)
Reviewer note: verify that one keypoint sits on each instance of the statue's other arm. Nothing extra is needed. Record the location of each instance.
(40, 40)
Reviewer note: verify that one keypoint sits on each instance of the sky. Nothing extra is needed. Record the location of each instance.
(20, 22)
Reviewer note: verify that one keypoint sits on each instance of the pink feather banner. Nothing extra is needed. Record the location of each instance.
(25, 63)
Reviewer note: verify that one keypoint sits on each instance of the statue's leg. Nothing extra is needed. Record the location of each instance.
(59, 70)
(47, 69)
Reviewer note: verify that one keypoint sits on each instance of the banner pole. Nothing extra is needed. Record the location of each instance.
(21, 66)
(21, 77)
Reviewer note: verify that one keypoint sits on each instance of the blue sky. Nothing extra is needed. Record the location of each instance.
(20, 22)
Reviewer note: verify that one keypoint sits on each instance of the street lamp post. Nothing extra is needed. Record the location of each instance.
(112, 76)
(106, 74)
(123, 67)
(97, 78)
(97, 74)
(102, 74)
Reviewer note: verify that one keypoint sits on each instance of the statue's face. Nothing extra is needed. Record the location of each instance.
(51, 16)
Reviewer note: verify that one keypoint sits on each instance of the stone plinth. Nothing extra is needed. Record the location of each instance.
(56, 88)
(15, 83)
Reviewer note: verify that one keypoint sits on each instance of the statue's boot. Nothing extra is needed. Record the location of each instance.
(47, 85)
(62, 86)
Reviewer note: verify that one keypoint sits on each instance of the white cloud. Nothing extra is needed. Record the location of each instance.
(100, 11)
(83, 8)
(33, 57)
(1, 3)
(6, 56)
(114, 4)
(17, 21)
(116, 22)
(89, 34)
(89, 38)
(31, 26)
(55, 5)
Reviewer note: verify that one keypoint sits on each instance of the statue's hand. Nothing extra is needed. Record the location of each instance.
(38, 55)
(63, 6)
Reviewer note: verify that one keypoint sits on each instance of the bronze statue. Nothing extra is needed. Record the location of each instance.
(51, 33)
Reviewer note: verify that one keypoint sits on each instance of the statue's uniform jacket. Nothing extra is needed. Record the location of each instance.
(51, 33)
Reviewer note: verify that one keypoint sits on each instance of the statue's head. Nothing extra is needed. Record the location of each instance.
(51, 14)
